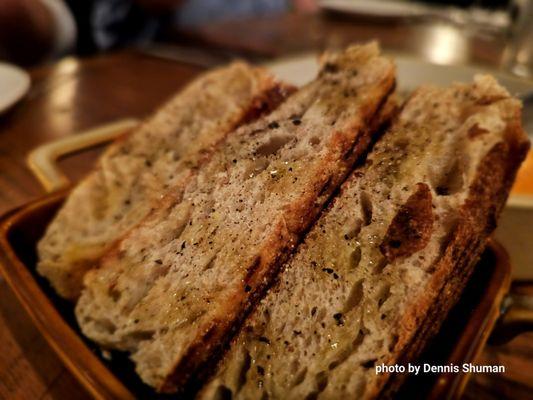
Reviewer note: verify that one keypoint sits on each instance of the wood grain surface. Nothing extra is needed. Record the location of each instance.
(76, 94)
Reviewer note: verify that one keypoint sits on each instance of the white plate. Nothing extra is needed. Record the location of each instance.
(14, 84)
(412, 72)
(383, 9)
(514, 229)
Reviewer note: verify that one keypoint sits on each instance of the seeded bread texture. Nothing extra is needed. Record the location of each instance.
(379, 270)
(137, 169)
(174, 288)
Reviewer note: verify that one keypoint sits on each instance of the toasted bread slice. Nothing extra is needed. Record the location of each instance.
(378, 272)
(175, 287)
(136, 170)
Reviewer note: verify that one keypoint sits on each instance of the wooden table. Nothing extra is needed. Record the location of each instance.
(73, 95)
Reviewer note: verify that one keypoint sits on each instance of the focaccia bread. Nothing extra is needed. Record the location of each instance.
(174, 288)
(138, 168)
(380, 269)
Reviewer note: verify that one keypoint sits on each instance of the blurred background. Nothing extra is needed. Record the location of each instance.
(497, 32)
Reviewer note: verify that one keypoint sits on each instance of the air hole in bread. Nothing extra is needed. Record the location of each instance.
(321, 314)
(366, 208)
(181, 227)
(369, 364)
(256, 167)
(139, 336)
(353, 229)
(245, 366)
(210, 263)
(401, 145)
(295, 365)
(312, 396)
(314, 141)
(383, 294)
(355, 257)
(380, 265)
(347, 352)
(358, 339)
(223, 393)
(273, 145)
(411, 228)
(105, 325)
(300, 376)
(451, 181)
(114, 293)
(354, 297)
(393, 342)
(321, 381)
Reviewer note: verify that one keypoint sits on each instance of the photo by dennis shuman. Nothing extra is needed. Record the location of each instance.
(427, 368)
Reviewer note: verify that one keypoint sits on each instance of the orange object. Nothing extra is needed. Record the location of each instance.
(524, 178)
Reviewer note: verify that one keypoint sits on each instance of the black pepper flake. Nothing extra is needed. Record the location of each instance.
(296, 333)
(338, 318)
(260, 370)
(286, 343)
(313, 311)
(159, 261)
(247, 288)
(335, 275)
(296, 121)
(346, 237)
(234, 161)
(273, 125)
(330, 68)
(328, 270)
(182, 245)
